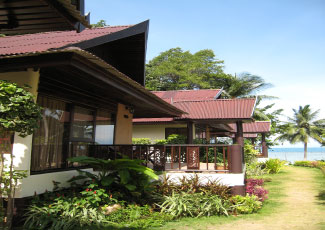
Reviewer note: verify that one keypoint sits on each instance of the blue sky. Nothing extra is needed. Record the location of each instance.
(282, 41)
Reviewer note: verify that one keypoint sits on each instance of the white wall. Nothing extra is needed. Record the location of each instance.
(223, 178)
(153, 132)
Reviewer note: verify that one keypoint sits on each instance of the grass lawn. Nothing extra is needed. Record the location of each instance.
(296, 198)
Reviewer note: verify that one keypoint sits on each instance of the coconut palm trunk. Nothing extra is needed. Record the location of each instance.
(305, 151)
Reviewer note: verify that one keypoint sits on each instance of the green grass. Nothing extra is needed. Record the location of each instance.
(275, 188)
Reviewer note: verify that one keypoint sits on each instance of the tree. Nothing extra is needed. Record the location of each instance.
(176, 69)
(263, 114)
(244, 85)
(302, 127)
(18, 113)
(100, 23)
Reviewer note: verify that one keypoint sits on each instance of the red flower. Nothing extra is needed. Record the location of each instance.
(95, 192)
(87, 189)
(90, 190)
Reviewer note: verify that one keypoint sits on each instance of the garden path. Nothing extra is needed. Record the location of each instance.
(300, 208)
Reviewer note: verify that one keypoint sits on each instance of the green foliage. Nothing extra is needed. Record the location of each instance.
(250, 153)
(246, 204)
(126, 177)
(311, 164)
(88, 209)
(176, 139)
(274, 166)
(194, 205)
(255, 170)
(134, 216)
(141, 141)
(263, 114)
(160, 141)
(177, 69)
(100, 23)
(18, 111)
(302, 127)
(243, 85)
(193, 184)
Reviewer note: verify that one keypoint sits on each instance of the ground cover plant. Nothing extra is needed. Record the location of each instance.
(112, 197)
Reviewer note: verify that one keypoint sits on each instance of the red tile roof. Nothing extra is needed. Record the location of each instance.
(254, 127)
(221, 109)
(218, 109)
(188, 95)
(39, 42)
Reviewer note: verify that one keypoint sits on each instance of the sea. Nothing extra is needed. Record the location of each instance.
(297, 154)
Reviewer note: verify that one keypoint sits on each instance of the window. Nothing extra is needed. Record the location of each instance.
(68, 130)
(104, 127)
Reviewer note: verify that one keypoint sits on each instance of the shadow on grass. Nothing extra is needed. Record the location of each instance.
(321, 197)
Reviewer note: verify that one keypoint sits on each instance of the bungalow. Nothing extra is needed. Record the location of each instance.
(34, 16)
(207, 116)
(90, 85)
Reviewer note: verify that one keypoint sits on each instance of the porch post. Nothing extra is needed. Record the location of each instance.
(190, 132)
(264, 147)
(207, 134)
(239, 135)
(236, 167)
(236, 159)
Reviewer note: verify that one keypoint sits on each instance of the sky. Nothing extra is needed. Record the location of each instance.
(282, 41)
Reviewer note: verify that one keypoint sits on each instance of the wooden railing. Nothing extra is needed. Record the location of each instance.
(178, 157)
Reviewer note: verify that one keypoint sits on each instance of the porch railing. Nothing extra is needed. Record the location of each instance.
(177, 157)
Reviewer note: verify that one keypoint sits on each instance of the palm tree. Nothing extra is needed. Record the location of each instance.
(302, 127)
(244, 85)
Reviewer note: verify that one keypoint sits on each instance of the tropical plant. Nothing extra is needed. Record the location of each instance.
(18, 113)
(194, 205)
(246, 204)
(302, 127)
(255, 169)
(250, 153)
(127, 177)
(274, 166)
(141, 141)
(243, 85)
(264, 114)
(255, 187)
(193, 184)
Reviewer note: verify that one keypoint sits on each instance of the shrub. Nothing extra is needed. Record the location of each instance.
(63, 213)
(78, 213)
(250, 153)
(176, 139)
(133, 216)
(255, 169)
(194, 205)
(127, 179)
(254, 187)
(193, 184)
(245, 204)
(141, 141)
(160, 141)
(274, 166)
(312, 164)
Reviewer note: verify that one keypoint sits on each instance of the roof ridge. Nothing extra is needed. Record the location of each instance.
(200, 100)
(182, 90)
(65, 31)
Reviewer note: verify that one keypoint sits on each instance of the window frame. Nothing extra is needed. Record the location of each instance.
(67, 150)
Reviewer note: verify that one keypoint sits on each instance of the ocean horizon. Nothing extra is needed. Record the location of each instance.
(297, 154)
